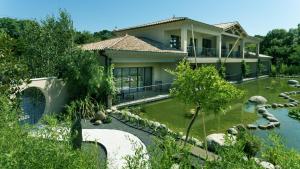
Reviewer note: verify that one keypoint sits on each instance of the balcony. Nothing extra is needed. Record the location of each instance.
(233, 54)
(202, 52)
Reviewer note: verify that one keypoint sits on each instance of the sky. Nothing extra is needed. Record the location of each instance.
(256, 16)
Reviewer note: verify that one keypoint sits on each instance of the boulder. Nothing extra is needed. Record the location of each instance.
(252, 126)
(218, 140)
(108, 111)
(263, 127)
(232, 131)
(267, 114)
(276, 124)
(261, 110)
(274, 105)
(100, 116)
(114, 108)
(97, 122)
(293, 82)
(282, 95)
(280, 105)
(266, 165)
(175, 166)
(272, 119)
(286, 105)
(258, 99)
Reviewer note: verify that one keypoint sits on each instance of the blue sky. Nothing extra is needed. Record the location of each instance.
(256, 16)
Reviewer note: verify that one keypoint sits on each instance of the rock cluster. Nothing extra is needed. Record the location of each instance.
(219, 140)
(258, 100)
(273, 121)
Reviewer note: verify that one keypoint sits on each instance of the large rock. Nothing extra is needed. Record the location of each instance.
(261, 110)
(272, 119)
(266, 165)
(100, 116)
(258, 99)
(267, 114)
(218, 140)
(252, 126)
(232, 131)
(293, 82)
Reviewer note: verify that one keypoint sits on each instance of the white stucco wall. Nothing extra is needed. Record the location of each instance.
(54, 90)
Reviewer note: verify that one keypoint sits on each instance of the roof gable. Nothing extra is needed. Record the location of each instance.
(232, 28)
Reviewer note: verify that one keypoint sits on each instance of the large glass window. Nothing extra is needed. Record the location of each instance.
(125, 80)
(118, 77)
(132, 79)
(175, 42)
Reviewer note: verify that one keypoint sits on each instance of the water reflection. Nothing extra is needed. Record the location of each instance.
(33, 105)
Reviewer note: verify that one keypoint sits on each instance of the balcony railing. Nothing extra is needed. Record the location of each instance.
(202, 52)
(233, 54)
(132, 94)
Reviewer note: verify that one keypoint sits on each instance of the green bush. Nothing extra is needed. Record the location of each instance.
(295, 113)
(23, 147)
(163, 154)
(278, 154)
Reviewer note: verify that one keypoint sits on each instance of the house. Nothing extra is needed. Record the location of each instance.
(141, 54)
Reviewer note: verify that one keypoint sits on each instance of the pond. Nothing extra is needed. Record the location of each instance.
(173, 113)
(288, 130)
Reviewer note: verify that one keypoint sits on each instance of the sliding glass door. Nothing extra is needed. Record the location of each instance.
(133, 79)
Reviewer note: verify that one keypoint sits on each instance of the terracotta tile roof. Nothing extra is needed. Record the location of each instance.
(174, 19)
(227, 25)
(130, 43)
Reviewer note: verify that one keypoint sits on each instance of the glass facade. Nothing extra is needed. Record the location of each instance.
(130, 80)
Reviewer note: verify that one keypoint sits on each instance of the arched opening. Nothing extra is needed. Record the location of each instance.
(33, 103)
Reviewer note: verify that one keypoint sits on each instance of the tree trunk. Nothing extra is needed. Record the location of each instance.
(204, 132)
(190, 125)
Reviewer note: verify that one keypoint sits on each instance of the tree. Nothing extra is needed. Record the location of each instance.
(245, 69)
(203, 88)
(83, 37)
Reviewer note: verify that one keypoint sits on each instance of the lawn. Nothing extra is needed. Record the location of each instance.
(172, 112)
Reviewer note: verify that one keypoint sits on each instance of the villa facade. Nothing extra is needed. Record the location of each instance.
(142, 54)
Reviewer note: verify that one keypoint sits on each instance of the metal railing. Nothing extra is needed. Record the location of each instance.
(233, 54)
(202, 52)
(132, 94)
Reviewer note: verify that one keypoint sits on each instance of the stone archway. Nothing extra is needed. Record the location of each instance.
(34, 104)
(54, 91)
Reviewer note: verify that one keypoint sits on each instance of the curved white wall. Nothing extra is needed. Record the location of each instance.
(54, 90)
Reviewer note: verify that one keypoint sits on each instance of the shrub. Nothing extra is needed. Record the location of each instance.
(295, 113)
(23, 147)
(278, 154)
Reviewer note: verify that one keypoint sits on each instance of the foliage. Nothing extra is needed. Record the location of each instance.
(204, 88)
(221, 69)
(83, 108)
(23, 146)
(44, 44)
(163, 154)
(83, 73)
(245, 68)
(85, 76)
(87, 37)
(295, 113)
(234, 157)
(12, 71)
(278, 154)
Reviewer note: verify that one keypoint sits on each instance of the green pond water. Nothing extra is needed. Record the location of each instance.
(172, 112)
